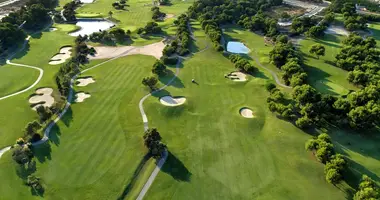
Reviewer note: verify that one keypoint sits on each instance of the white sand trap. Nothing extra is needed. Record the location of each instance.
(237, 76)
(61, 57)
(168, 16)
(42, 98)
(172, 101)
(85, 81)
(103, 52)
(337, 30)
(81, 96)
(246, 112)
(52, 29)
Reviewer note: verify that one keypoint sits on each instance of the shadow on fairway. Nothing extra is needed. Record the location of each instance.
(134, 178)
(175, 168)
(55, 133)
(42, 152)
(175, 83)
(67, 118)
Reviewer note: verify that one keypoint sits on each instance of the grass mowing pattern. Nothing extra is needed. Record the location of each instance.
(217, 154)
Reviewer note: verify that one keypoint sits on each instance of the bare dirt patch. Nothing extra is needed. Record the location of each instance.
(246, 112)
(172, 101)
(103, 52)
(81, 82)
(61, 57)
(81, 96)
(42, 97)
(168, 16)
(237, 76)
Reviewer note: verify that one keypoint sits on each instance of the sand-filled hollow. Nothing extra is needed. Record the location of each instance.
(42, 98)
(81, 82)
(172, 101)
(246, 112)
(81, 96)
(103, 52)
(237, 76)
(61, 57)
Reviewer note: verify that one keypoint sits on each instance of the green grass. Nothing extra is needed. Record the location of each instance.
(14, 78)
(136, 14)
(96, 148)
(323, 75)
(217, 154)
(38, 53)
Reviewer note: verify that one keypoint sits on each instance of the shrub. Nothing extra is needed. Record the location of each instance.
(270, 86)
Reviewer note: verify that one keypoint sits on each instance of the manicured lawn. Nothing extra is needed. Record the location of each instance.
(38, 53)
(217, 154)
(14, 78)
(135, 15)
(94, 151)
(323, 75)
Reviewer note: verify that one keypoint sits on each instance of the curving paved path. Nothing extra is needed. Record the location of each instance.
(27, 66)
(161, 162)
(272, 72)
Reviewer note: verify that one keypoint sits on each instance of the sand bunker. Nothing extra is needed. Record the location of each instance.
(61, 57)
(237, 76)
(104, 52)
(81, 82)
(168, 16)
(246, 112)
(337, 30)
(172, 101)
(81, 96)
(42, 98)
(52, 29)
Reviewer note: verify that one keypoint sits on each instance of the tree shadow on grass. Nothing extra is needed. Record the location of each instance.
(67, 118)
(134, 178)
(21, 53)
(175, 168)
(42, 152)
(175, 83)
(54, 135)
(161, 93)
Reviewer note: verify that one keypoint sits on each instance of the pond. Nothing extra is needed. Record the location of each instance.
(89, 26)
(237, 47)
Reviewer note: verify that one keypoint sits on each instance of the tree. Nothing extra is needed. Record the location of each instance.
(35, 183)
(22, 154)
(119, 34)
(150, 81)
(31, 131)
(110, 13)
(270, 86)
(317, 49)
(152, 140)
(367, 190)
(333, 176)
(44, 113)
(159, 68)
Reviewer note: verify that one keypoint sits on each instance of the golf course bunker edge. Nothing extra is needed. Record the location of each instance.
(84, 81)
(237, 76)
(246, 112)
(172, 101)
(81, 96)
(42, 97)
(62, 56)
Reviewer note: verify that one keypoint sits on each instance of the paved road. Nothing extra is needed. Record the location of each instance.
(27, 66)
(5, 3)
(161, 162)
